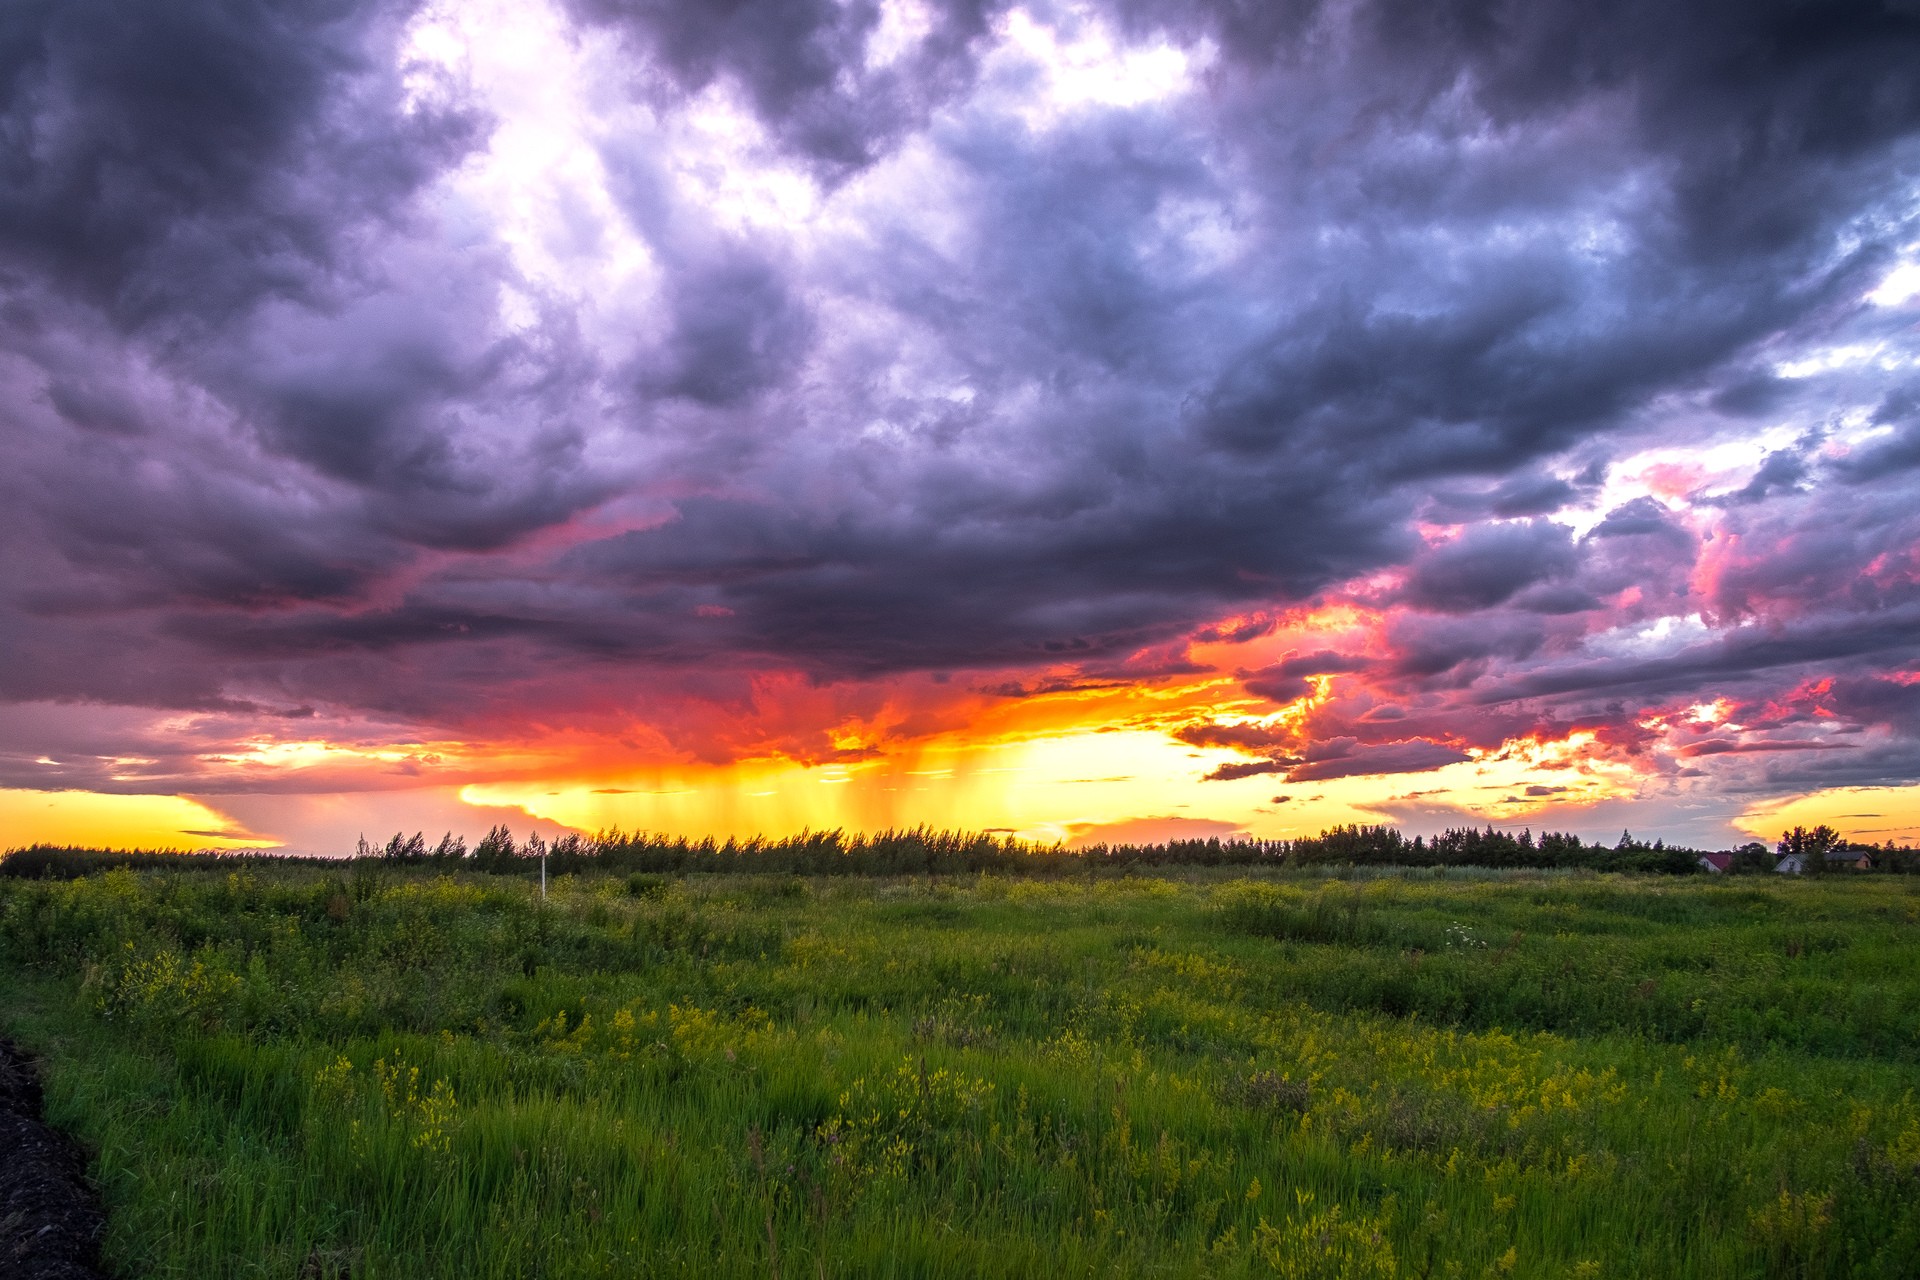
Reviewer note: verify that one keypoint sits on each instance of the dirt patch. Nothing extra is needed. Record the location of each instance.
(50, 1220)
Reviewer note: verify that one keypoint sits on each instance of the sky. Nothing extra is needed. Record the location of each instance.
(1087, 421)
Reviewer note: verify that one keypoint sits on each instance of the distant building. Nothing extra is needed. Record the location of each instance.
(1794, 864)
(1715, 862)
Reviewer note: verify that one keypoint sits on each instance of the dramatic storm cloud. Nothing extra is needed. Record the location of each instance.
(539, 397)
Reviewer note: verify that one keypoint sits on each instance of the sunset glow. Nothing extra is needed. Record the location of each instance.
(119, 821)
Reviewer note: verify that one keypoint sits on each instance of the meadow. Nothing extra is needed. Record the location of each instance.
(383, 1071)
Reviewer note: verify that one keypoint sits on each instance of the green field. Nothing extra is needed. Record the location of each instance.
(393, 1073)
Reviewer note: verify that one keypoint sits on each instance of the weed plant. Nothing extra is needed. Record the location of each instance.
(287, 1071)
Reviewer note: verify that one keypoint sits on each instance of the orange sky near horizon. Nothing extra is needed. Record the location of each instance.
(1075, 764)
(1114, 783)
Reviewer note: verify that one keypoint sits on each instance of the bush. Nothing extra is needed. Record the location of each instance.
(648, 888)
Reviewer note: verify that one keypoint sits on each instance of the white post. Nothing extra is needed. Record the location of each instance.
(543, 873)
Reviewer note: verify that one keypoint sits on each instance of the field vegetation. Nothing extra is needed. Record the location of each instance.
(400, 1069)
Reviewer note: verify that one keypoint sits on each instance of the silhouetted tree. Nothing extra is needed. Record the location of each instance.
(1812, 846)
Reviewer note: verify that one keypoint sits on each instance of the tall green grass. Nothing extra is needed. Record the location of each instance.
(290, 1072)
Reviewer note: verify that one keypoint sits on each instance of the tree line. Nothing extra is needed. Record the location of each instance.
(925, 851)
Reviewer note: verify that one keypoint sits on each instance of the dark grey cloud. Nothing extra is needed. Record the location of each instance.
(1525, 494)
(1457, 650)
(1234, 771)
(1753, 653)
(1286, 680)
(1488, 564)
(1750, 115)
(1238, 631)
(1752, 397)
(1321, 663)
(1239, 737)
(1556, 598)
(737, 331)
(1345, 757)
(1891, 455)
(805, 65)
(174, 162)
(1413, 756)
(1642, 518)
(1642, 548)
(1781, 472)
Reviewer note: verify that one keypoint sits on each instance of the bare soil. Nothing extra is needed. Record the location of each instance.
(50, 1219)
